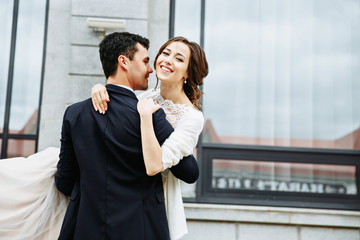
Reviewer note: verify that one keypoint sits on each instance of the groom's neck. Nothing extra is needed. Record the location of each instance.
(117, 80)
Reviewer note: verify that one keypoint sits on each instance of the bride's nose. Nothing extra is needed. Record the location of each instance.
(167, 60)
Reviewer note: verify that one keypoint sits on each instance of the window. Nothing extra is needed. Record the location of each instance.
(22, 50)
(291, 177)
(284, 79)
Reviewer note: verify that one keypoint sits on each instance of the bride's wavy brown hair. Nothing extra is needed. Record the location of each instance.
(197, 69)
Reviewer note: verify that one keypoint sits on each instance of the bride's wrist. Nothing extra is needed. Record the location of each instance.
(145, 115)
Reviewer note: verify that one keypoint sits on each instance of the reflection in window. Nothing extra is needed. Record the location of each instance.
(29, 126)
(27, 68)
(6, 7)
(187, 19)
(283, 177)
(283, 73)
(20, 148)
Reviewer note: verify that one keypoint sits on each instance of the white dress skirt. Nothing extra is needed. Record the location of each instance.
(31, 207)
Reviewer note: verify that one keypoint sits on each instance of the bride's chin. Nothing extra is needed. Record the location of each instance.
(161, 78)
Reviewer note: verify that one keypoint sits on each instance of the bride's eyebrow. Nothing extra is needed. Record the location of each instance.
(182, 55)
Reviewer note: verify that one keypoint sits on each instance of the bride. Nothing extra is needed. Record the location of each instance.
(39, 209)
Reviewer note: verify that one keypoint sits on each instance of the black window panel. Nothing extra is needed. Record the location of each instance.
(310, 199)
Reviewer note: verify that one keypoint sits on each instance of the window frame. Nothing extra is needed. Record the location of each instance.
(5, 135)
(276, 198)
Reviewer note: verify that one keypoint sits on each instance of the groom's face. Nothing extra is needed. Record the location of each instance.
(139, 69)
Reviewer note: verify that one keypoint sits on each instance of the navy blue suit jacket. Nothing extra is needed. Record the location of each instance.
(101, 156)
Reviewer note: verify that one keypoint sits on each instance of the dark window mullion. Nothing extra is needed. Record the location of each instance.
(22, 136)
(42, 75)
(10, 80)
(172, 18)
(201, 159)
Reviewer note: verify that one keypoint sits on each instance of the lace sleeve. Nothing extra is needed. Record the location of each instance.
(183, 140)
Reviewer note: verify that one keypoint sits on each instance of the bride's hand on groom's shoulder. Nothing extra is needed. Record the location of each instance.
(99, 98)
(147, 107)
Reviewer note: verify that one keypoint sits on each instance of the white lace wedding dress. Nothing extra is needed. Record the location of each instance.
(188, 124)
(31, 208)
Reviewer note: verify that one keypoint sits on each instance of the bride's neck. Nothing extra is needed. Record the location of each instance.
(172, 92)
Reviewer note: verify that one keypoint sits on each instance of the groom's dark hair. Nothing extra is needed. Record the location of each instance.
(116, 44)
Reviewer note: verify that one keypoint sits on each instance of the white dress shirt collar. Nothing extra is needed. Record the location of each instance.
(126, 87)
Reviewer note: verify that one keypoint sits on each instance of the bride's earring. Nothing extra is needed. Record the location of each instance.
(185, 81)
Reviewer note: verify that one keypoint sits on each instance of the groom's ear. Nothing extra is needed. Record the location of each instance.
(123, 61)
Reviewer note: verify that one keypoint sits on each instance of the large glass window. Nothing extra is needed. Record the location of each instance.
(283, 79)
(21, 74)
(27, 66)
(283, 73)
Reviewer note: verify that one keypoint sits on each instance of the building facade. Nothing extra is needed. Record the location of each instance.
(280, 150)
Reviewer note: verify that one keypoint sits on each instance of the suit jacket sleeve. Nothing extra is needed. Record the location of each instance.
(67, 167)
(187, 170)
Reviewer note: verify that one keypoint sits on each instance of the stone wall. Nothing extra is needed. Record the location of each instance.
(72, 64)
(232, 222)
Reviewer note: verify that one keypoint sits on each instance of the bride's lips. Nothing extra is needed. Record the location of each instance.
(165, 68)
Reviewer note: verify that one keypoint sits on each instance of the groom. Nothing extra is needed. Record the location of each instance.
(101, 164)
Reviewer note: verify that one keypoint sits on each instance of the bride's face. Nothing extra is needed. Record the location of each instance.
(173, 62)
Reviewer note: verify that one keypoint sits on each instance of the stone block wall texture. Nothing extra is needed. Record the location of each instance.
(72, 64)
(232, 222)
